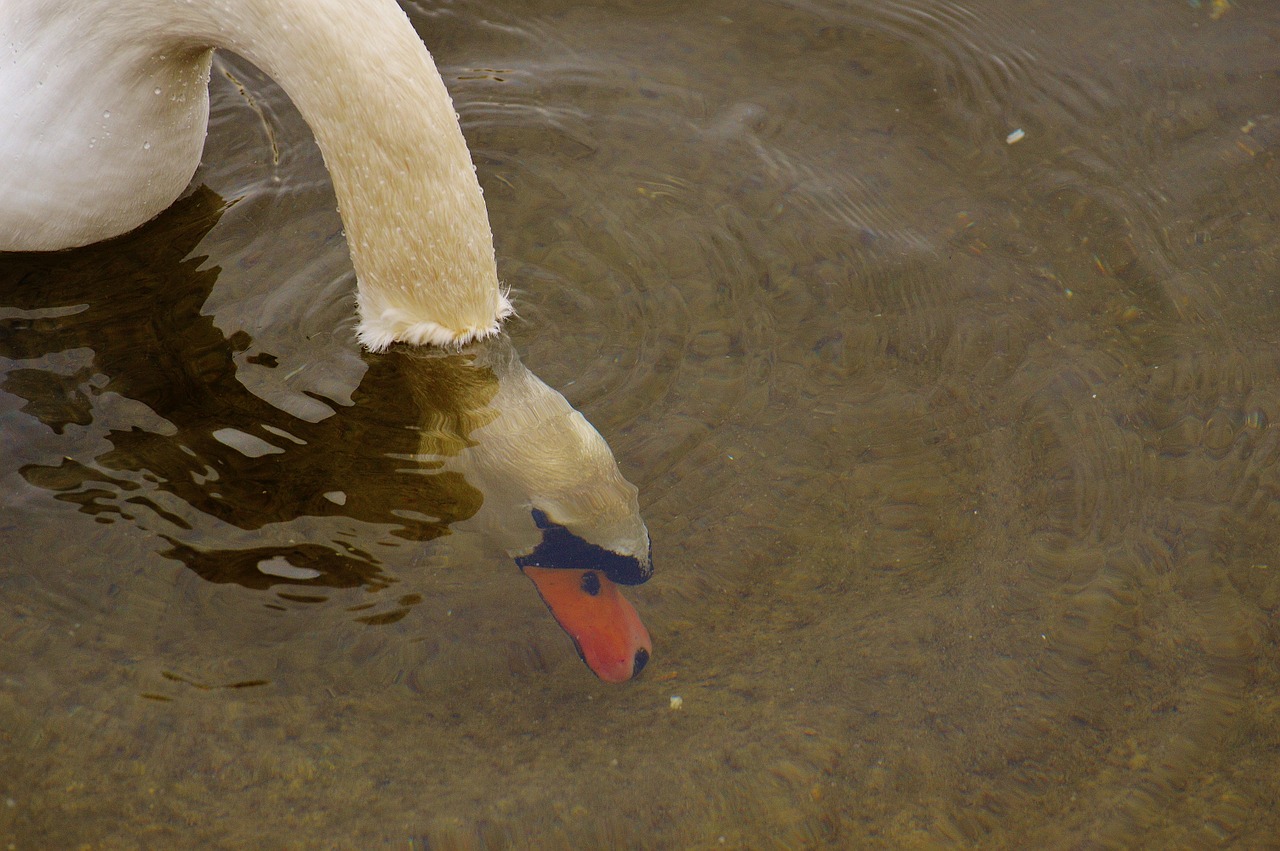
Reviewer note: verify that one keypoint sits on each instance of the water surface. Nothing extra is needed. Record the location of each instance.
(954, 443)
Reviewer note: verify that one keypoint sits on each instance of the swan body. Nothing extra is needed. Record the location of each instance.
(105, 106)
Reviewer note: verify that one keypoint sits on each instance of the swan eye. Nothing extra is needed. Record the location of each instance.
(561, 548)
(591, 583)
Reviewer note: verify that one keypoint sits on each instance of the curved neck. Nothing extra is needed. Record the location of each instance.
(407, 191)
(109, 104)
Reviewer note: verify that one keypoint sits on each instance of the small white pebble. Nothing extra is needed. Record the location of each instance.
(676, 701)
(1015, 136)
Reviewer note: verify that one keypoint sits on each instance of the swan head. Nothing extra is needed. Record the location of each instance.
(579, 582)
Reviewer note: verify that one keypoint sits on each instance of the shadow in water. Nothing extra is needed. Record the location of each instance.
(105, 329)
(134, 305)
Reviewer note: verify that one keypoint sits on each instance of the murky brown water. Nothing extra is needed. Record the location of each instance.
(957, 454)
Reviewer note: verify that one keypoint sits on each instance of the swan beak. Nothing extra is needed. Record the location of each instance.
(604, 627)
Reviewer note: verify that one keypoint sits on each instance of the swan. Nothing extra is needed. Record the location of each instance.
(105, 105)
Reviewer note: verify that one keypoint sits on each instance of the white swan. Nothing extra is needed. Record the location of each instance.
(103, 112)
(104, 106)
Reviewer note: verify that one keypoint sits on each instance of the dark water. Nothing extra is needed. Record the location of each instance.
(955, 448)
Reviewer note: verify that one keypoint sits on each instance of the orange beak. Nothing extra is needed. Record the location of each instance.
(604, 627)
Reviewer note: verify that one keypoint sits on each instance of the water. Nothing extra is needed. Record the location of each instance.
(956, 453)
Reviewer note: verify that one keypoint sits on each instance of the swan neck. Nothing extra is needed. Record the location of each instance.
(106, 109)
(411, 203)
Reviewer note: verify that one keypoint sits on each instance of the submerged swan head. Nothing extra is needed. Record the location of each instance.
(553, 496)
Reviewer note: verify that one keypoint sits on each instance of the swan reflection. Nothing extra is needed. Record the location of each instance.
(109, 349)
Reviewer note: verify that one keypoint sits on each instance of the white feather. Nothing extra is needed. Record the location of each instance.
(104, 106)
